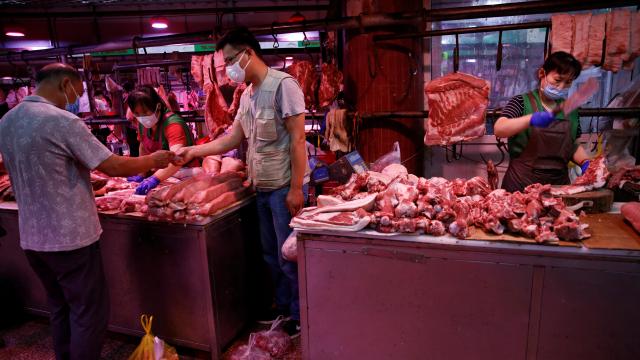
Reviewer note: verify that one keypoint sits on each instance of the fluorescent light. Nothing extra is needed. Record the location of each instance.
(38, 47)
(159, 23)
(289, 58)
(470, 60)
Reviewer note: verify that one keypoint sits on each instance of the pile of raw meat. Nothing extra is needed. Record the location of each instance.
(610, 40)
(620, 177)
(457, 105)
(196, 198)
(394, 201)
(216, 164)
(122, 202)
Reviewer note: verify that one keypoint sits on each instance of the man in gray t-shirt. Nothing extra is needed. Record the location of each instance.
(48, 153)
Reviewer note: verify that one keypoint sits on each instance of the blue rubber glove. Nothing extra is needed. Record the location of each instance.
(542, 119)
(585, 166)
(135, 178)
(147, 185)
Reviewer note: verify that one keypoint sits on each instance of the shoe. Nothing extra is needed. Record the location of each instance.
(292, 328)
(272, 315)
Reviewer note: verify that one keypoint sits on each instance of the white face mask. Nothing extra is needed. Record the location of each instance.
(236, 72)
(149, 120)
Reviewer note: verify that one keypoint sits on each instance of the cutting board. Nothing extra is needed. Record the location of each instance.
(479, 234)
(601, 200)
(610, 231)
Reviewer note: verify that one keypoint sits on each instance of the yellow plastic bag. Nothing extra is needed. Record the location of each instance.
(152, 347)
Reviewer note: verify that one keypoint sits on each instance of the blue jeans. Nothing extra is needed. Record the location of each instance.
(274, 219)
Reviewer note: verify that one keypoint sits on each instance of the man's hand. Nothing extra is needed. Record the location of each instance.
(542, 119)
(162, 158)
(183, 156)
(295, 201)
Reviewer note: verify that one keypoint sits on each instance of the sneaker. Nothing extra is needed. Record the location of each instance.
(292, 328)
(269, 317)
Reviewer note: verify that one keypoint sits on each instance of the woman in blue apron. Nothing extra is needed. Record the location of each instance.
(542, 144)
(158, 129)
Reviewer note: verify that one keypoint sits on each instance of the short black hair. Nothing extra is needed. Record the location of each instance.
(240, 36)
(146, 96)
(563, 63)
(128, 86)
(56, 71)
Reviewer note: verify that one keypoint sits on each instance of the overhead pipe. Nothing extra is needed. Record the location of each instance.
(355, 22)
(468, 30)
(165, 12)
(117, 67)
(494, 113)
(522, 8)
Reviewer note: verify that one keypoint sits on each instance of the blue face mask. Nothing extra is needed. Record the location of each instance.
(74, 108)
(554, 93)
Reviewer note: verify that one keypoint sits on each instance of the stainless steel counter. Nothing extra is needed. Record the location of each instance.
(196, 280)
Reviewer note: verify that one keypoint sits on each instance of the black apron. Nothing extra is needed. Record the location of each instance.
(544, 160)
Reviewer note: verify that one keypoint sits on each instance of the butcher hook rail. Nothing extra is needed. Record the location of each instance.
(276, 44)
(454, 149)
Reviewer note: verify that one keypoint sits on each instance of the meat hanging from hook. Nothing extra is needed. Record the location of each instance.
(276, 44)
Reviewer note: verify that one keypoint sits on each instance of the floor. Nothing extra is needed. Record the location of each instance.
(30, 339)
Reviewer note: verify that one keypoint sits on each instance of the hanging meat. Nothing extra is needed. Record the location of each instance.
(635, 40)
(196, 69)
(596, 39)
(457, 105)
(218, 115)
(330, 84)
(305, 73)
(562, 30)
(581, 38)
(618, 37)
(220, 69)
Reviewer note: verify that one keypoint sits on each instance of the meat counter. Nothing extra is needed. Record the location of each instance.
(198, 281)
(368, 295)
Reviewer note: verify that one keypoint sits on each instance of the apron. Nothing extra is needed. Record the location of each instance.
(158, 141)
(544, 160)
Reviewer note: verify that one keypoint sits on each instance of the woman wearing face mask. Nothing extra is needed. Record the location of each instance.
(542, 144)
(158, 129)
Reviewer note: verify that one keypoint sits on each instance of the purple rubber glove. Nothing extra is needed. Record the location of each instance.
(135, 178)
(585, 166)
(147, 185)
(541, 119)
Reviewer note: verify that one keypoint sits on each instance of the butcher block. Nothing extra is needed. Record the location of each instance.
(598, 201)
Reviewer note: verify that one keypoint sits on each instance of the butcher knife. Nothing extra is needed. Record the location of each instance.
(581, 96)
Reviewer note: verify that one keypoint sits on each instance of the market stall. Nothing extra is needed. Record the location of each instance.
(196, 279)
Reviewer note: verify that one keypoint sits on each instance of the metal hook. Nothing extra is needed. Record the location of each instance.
(546, 41)
(456, 155)
(499, 55)
(456, 56)
(276, 44)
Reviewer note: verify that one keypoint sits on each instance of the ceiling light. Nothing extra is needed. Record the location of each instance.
(14, 31)
(289, 58)
(297, 17)
(159, 23)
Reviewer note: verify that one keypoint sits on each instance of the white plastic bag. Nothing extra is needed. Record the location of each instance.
(290, 247)
(392, 157)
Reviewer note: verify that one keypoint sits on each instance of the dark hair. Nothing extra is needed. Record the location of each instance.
(128, 86)
(56, 71)
(238, 37)
(563, 63)
(146, 96)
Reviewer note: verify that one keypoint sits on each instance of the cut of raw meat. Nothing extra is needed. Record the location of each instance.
(562, 30)
(196, 69)
(211, 164)
(596, 174)
(231, 164)
(596, 40)
(492, 175)
(219, 115)
(634, 45)
(305, 74)
(457, 105)
(581, 38)
(618, 37)
(631, 213)
(623, 175)
(330, 84)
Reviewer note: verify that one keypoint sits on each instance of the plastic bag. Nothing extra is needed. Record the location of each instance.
(274, 341)
(290, 247)
(392, 157)
(249, 351)
(152, 348)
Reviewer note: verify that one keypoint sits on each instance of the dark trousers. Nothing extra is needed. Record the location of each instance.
(78, 299)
